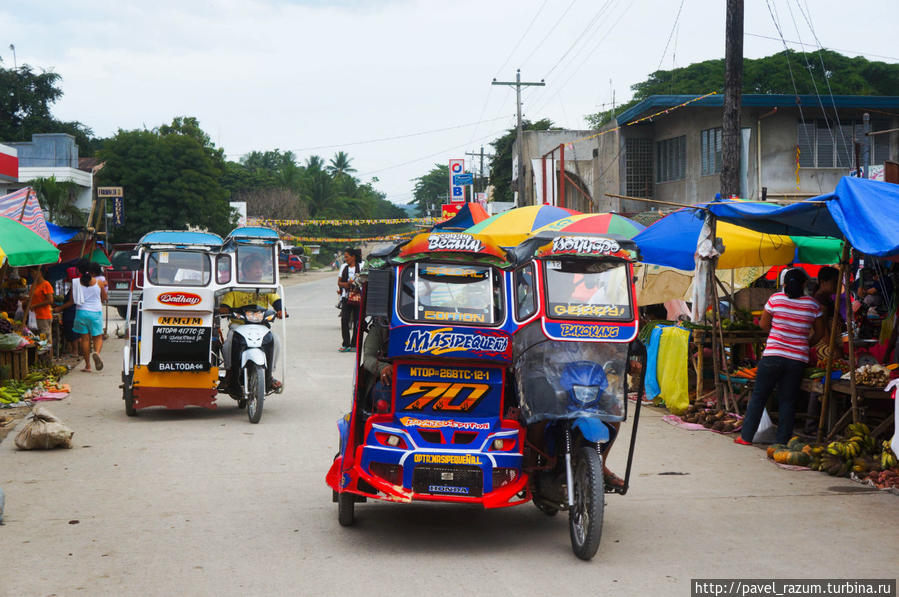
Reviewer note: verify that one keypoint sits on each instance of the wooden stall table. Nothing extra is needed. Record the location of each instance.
(837, 419)
(17, 361)
(703, 337)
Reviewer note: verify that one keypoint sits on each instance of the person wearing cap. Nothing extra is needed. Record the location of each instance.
(793, 321)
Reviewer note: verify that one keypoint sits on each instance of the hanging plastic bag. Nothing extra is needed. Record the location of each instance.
(767, 431)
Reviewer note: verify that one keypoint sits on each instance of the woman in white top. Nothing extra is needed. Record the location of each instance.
(88, 294)
(349, 312)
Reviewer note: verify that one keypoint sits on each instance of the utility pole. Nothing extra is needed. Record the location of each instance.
(733, 86)
(481, 170)
(518, 84)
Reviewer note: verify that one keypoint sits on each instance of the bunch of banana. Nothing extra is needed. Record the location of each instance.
(837, 449)
(865, 464)
(34, 377)
(852, 449)
(887, 458)
(861, 433)
(8, 395)
(834, 465)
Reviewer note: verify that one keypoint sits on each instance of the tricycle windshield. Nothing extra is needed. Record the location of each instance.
(178, 268)
(563, 380)
(590, 290)
(255, 264)
(463, 294)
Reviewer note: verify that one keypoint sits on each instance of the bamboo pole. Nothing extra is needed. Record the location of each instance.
(834, 324)
(853, 391)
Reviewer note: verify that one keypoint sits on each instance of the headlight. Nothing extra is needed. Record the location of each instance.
(585, 394)
(254, 316)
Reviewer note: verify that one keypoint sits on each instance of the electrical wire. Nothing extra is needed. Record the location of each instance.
(382, 139)
(577, 40)
(521, 39)
(857, 52)
(425, 157)
(671, 34)
(548, 33)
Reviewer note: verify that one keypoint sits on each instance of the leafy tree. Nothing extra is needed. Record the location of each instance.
(771, 74)
(25, 99)
(426, 195)
(171, 182)
(501, 164)
(58, 199)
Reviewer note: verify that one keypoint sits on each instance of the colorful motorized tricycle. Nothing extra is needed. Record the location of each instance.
(175, 350)
(490, 376)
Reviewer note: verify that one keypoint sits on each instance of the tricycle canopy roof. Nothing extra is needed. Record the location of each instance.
(453, 246)
(559, 244)
(253, 233)
(182, 238)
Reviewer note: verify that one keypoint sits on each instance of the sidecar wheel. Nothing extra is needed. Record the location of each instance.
(346, 504)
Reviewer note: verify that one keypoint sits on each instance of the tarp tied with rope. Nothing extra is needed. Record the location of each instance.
(865, 212)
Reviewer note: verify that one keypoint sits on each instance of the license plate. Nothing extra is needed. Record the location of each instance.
(446, 476)
(121, 285)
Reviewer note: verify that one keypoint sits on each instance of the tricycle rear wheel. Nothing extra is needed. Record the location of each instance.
(585, 518)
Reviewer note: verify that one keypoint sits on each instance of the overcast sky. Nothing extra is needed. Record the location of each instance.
(314, 76)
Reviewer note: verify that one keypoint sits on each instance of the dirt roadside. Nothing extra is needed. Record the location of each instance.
(10, 418)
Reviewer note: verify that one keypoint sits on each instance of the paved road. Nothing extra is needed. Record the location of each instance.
(204, 503)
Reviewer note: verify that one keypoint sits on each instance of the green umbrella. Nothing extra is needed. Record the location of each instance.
(98, 256)
(22, 247)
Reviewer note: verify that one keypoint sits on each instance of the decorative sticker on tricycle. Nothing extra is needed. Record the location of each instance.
(179, 321)
(179, 299)
(444, 424)
(435, 391)
(457, 342)
(449, 242)
(597, 311)
(586, 331)
(585, 245)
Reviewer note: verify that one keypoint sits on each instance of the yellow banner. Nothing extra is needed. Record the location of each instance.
(273, 222)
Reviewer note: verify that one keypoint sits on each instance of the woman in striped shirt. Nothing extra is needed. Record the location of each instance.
(793, 321)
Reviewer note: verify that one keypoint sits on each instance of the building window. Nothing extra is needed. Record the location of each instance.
(638, 167)
(671, 159)
(824, 144)
(710, 150)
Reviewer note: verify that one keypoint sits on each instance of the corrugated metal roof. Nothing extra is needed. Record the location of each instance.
(760, 100)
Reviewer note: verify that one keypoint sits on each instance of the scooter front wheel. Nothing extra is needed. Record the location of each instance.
(255, 391)
(585, 518)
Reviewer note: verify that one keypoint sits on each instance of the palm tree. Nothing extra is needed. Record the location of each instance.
(340, 164)
(314, 163)
(58, 199)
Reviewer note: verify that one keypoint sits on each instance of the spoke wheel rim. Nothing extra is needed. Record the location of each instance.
(581, 515)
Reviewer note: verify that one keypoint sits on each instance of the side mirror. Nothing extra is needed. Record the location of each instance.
(134, 264)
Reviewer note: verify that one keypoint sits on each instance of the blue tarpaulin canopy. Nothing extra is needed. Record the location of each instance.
(865, 211)
(61, 234)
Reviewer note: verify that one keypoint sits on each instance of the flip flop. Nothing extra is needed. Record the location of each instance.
(98, 362)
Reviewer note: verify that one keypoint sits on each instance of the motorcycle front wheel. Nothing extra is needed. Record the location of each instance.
(585, 518)
(255, 391)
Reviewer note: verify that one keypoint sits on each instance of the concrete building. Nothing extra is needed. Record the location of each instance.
(53, 154)
(792, 146)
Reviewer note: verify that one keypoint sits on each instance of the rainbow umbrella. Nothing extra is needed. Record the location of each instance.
(21, 246)
(509, 228)
(604, 223)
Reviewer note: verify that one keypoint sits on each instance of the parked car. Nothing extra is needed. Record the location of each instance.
(288, 262)
(119, 277)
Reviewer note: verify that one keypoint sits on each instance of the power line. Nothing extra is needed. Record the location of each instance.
(790, 41)
(395, 137)
(667, 43)
(521, 39)
(589, 26)
(548, 33)
(418, 159)
(586, 59)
